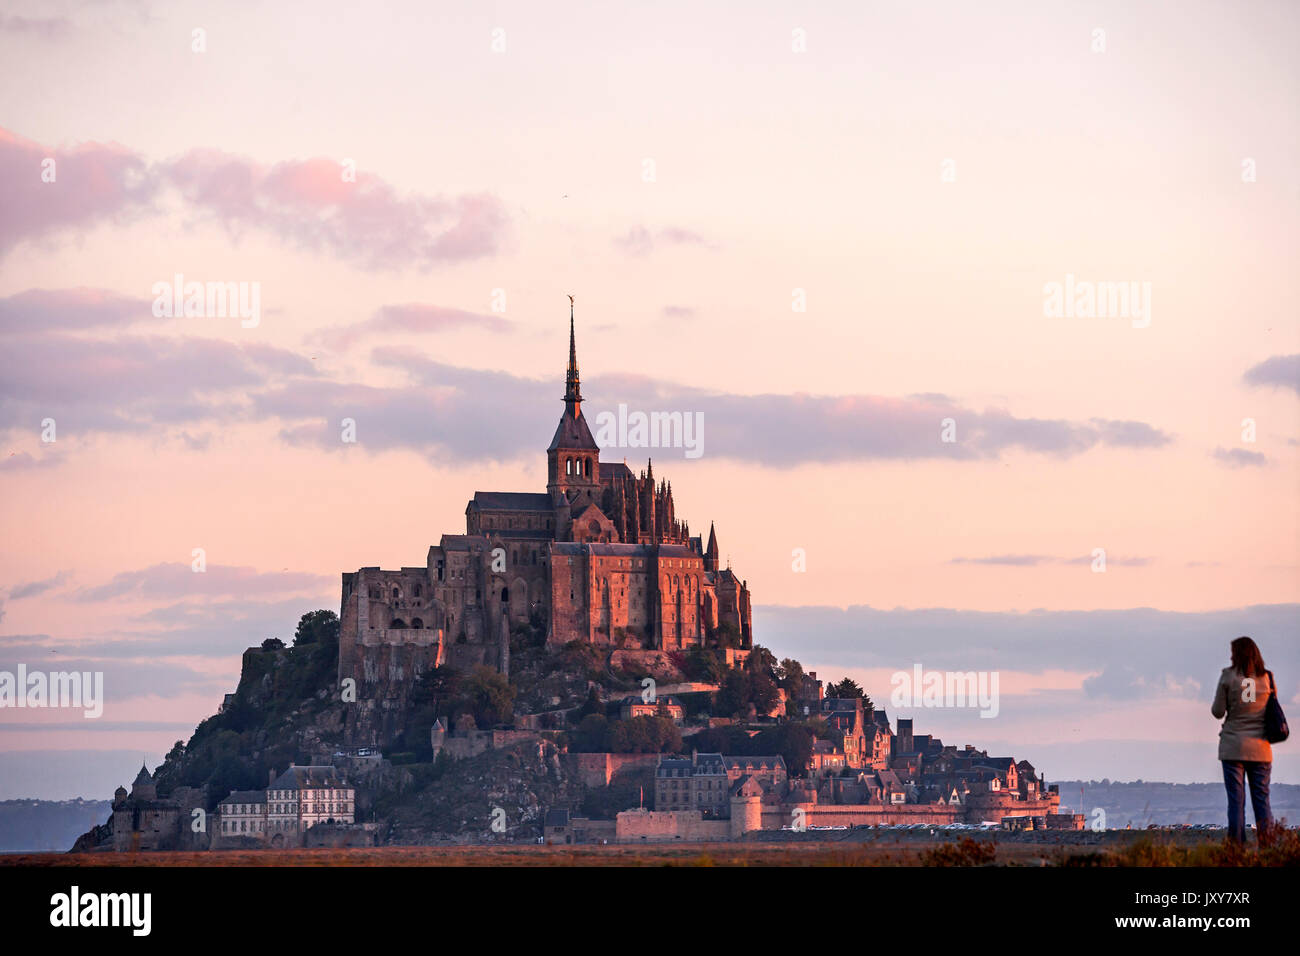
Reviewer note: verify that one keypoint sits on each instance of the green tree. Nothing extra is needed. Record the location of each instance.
(704, 665)
(845, 688)
(791, 677)
(761, 661)
(793, 741)
(727, 635)
(592, 705)
(488, 696)
(317, 627)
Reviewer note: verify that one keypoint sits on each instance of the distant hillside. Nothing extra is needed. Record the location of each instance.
(1142, 802)
(27, 825)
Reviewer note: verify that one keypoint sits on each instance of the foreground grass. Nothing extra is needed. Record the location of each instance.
(1126, 850)
(1282, 850)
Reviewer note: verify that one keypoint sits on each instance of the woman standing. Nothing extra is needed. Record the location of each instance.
(1242, 694)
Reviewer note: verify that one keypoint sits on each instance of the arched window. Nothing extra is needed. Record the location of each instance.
(416, 623)
(568, 466)
(505, 595)
(398, 624)
(397, 595)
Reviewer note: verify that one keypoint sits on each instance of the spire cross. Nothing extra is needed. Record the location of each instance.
(572, 388)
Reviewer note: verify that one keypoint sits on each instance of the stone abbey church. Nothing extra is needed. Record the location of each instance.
(600, 557)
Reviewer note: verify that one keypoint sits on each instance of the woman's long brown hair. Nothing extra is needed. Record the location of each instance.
(1246, 659)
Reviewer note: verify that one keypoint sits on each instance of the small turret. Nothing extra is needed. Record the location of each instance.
(711, 551)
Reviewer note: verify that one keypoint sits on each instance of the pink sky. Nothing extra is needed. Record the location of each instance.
(522, 171)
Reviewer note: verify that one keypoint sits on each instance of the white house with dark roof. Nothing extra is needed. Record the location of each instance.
(302, 797)
(243, 814)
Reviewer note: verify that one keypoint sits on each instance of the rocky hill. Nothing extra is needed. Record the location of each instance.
(288, 707)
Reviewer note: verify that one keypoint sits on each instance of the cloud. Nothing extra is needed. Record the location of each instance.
(1035, 560)
(1111, 561)
(1239, 457)
(1280, 371)
(678, 312)
(125, 679)
(487, 415)
(177, 580)
(93, 183)
(74, 310)
(1012, 560)
(17, 461)
(34, 588)
(411, 317)
(788, 430)
(144, 382)
(46, 28)
(133, 383)
(639, 241)
(1124, 654)
(201, 625)
(305, 203)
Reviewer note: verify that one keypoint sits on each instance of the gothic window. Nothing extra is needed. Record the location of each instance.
(417, 623)
(398, 624)
(568, 466)
(396, 594)
(417, 590)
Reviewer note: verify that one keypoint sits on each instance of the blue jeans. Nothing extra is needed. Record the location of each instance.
(1234, 772)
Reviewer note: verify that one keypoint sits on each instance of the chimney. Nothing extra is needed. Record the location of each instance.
(270, 776)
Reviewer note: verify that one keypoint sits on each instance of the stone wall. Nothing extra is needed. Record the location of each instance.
(597, 770)
(650, 826)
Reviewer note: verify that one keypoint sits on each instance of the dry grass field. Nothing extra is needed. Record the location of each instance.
(1123, 850)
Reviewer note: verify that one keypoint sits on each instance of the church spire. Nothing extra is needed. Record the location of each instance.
(711, 551)
(572, 389)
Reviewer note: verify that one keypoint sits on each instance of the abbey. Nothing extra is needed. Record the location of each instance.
(599, 557)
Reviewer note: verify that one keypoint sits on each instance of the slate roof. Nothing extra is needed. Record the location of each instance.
(573, 433)
(706, 764)
(245, 796)
(143, 778)
(616, 550)
(462, 542)
(306, 778)
(840, 704)
(614, 469)
(666, 765)
(511, 501)
(758, 763)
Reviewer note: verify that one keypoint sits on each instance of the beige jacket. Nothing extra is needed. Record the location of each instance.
(1242, 736)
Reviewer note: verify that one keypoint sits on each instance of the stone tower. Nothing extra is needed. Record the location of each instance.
(573, 458)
